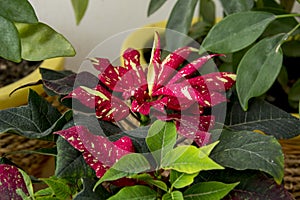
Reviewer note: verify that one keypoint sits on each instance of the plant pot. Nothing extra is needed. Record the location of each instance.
(20, 96)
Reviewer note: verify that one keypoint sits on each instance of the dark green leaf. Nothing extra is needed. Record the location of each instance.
(147, 178)
(180, 20)
(281, 25)
(175, 195)
(294, 93)
(265, 117)
(17, 11)
(259, 69)
(154, 5)
(79, 7)
(291, 48)
(36, 120)
(161, 139)
(208, 11)
(256, 184)
(181, 180)
(233, 34)
(249, 150)
(208, 190)
(138, 192)
(128, 165)
(188, 159)
(88, 194)
(70, 163)
(10, 47)
(39, 42)
(235, 6)
(137, 136)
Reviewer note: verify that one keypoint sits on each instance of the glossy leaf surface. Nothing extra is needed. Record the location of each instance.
(259, 69)
(232, 33)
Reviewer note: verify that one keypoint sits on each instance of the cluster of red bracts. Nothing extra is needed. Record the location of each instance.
(164, 88)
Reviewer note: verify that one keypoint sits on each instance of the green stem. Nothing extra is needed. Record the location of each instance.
(293, 30)
(288, 15)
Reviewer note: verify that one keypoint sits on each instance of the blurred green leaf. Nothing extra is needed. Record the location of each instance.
(79, 7)
(259, 68)
(208, 11)
(154, 5)
(291, 48)
(39, 42)
(138, 192)
(147, 178)
(233, 34)
(175, 195)
(294, 93)
(208, 190)
(60, 187)
(180, 20)
(18, 11)
(235, 6)
(10, 46)
(249, 150)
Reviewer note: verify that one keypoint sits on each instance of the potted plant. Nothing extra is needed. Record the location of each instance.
(26, 39)
(161, 131)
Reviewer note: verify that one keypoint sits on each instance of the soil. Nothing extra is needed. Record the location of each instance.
(11, 72)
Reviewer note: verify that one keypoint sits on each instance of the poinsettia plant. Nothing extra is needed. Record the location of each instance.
(151, 132)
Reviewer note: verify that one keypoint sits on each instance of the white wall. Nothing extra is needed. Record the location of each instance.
(104, 18)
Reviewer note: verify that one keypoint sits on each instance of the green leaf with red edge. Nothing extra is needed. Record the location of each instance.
(11, 179)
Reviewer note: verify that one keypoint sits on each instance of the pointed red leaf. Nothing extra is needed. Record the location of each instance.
(106, 106)
(218, 81)
(98, 151)
(191, 68)
(171, 63)
(109, 75)
(11, 180)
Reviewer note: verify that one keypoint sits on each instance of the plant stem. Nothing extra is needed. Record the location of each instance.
(294, 29)
(288, 15)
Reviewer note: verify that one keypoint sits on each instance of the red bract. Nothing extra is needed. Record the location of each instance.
(98, 152)
(11, 180)
(164, 85)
